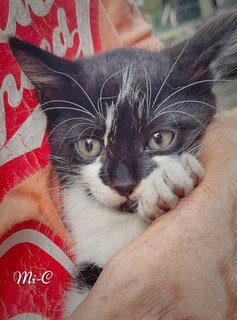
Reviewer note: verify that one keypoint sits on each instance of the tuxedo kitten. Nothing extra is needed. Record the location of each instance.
(124, 129)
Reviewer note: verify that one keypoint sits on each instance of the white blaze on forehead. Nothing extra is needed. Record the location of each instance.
(126, 88)
(131, 93)
(141, 105)
(109, 121)
(128, 92)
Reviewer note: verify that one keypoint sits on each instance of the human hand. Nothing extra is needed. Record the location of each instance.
(184, 266)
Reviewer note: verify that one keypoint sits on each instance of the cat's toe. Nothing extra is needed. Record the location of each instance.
(148, 207)
(193, 167)
(157, 199)
(178, 180)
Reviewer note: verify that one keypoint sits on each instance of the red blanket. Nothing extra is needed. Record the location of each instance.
(34, 262)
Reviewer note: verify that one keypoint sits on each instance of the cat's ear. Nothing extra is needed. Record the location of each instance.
(48, 73)
(225, 64)
(211, 50)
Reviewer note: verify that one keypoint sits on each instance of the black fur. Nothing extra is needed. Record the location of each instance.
(88, 275)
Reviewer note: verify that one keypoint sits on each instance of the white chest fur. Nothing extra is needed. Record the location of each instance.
(97, 230)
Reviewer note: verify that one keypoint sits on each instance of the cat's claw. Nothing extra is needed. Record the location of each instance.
(174, 178)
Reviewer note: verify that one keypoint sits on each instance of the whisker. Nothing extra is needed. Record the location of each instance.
(77, 83)
(67, 120)
(89, 205)
(106, 98)
(182, 112)
(73, 127)
(169, 73)
(82, 109)
(111, 76)
(190, 85)
(189, 142)
(148, 82)
(179, 102)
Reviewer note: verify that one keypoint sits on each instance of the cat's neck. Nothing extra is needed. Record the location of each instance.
(98, 231)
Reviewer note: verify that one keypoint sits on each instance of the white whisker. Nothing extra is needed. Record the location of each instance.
(82, 109)
(169, 73)
(190, 85)
(67, 120)
(179, 102)
(77, 83)
(79, 135)
(182, 112)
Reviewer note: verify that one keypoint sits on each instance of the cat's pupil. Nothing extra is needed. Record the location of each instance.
(89, 145)
(158, 138)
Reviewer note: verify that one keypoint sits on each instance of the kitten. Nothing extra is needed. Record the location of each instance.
(124, 128)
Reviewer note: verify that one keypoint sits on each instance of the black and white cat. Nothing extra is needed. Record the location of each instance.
(124, 129)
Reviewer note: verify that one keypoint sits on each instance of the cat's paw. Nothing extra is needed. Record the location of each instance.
(174, 178)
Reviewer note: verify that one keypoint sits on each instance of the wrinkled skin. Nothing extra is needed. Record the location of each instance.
(184, 266)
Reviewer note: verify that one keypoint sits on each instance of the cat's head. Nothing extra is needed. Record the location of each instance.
(110, 117)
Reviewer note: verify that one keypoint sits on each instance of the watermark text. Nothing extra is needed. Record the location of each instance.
(28, 277)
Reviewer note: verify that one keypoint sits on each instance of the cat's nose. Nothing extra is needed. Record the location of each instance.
(124, 189)
(122, 180)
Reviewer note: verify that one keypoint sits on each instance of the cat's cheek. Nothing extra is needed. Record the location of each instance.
(97, 189)
(107, 196)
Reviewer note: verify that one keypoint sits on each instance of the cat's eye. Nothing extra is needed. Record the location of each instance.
(160, 140)
(89, 147)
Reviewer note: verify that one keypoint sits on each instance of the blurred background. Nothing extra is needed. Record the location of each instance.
(175, 20)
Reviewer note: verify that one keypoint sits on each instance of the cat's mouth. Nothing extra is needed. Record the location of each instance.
(128, 207)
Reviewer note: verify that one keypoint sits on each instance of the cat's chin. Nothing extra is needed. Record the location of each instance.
(128, 207)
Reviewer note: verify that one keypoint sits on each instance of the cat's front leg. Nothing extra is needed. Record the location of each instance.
(173, 178)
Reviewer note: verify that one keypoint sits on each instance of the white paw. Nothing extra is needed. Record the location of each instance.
(162, 189)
